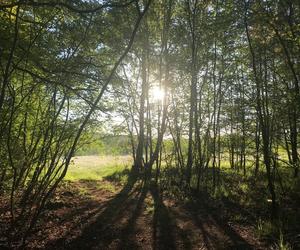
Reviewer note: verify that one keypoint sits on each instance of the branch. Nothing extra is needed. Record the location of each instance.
(55, 4)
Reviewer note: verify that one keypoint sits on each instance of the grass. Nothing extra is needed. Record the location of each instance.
(96, 167)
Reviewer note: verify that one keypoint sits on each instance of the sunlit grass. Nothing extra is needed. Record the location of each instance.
(96, 167)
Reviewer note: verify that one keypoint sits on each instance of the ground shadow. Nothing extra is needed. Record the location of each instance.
(141, 210)
(217, 233)
(128, 235)
(98, 229)
(163, 225)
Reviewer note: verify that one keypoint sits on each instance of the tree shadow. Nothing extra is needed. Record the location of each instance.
(214, 228)
(165, 229)
(122, 221)
(207, 215)
(99, 229)
(128, 238)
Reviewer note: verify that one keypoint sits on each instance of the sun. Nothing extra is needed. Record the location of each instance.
(157, 94)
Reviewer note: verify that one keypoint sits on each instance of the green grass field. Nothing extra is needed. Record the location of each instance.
(96, 167)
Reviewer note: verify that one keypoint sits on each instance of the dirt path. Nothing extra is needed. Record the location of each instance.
(136, 216)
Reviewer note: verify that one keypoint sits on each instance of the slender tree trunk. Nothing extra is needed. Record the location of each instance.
(264, 123)
(138, 164)
(193, 89)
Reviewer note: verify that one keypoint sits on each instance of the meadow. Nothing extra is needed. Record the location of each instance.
(96, 167)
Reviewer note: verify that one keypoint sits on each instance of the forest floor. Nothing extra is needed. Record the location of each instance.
(100, 206)
(91, 214)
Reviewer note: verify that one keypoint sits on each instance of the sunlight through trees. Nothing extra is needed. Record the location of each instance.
(203, 95)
